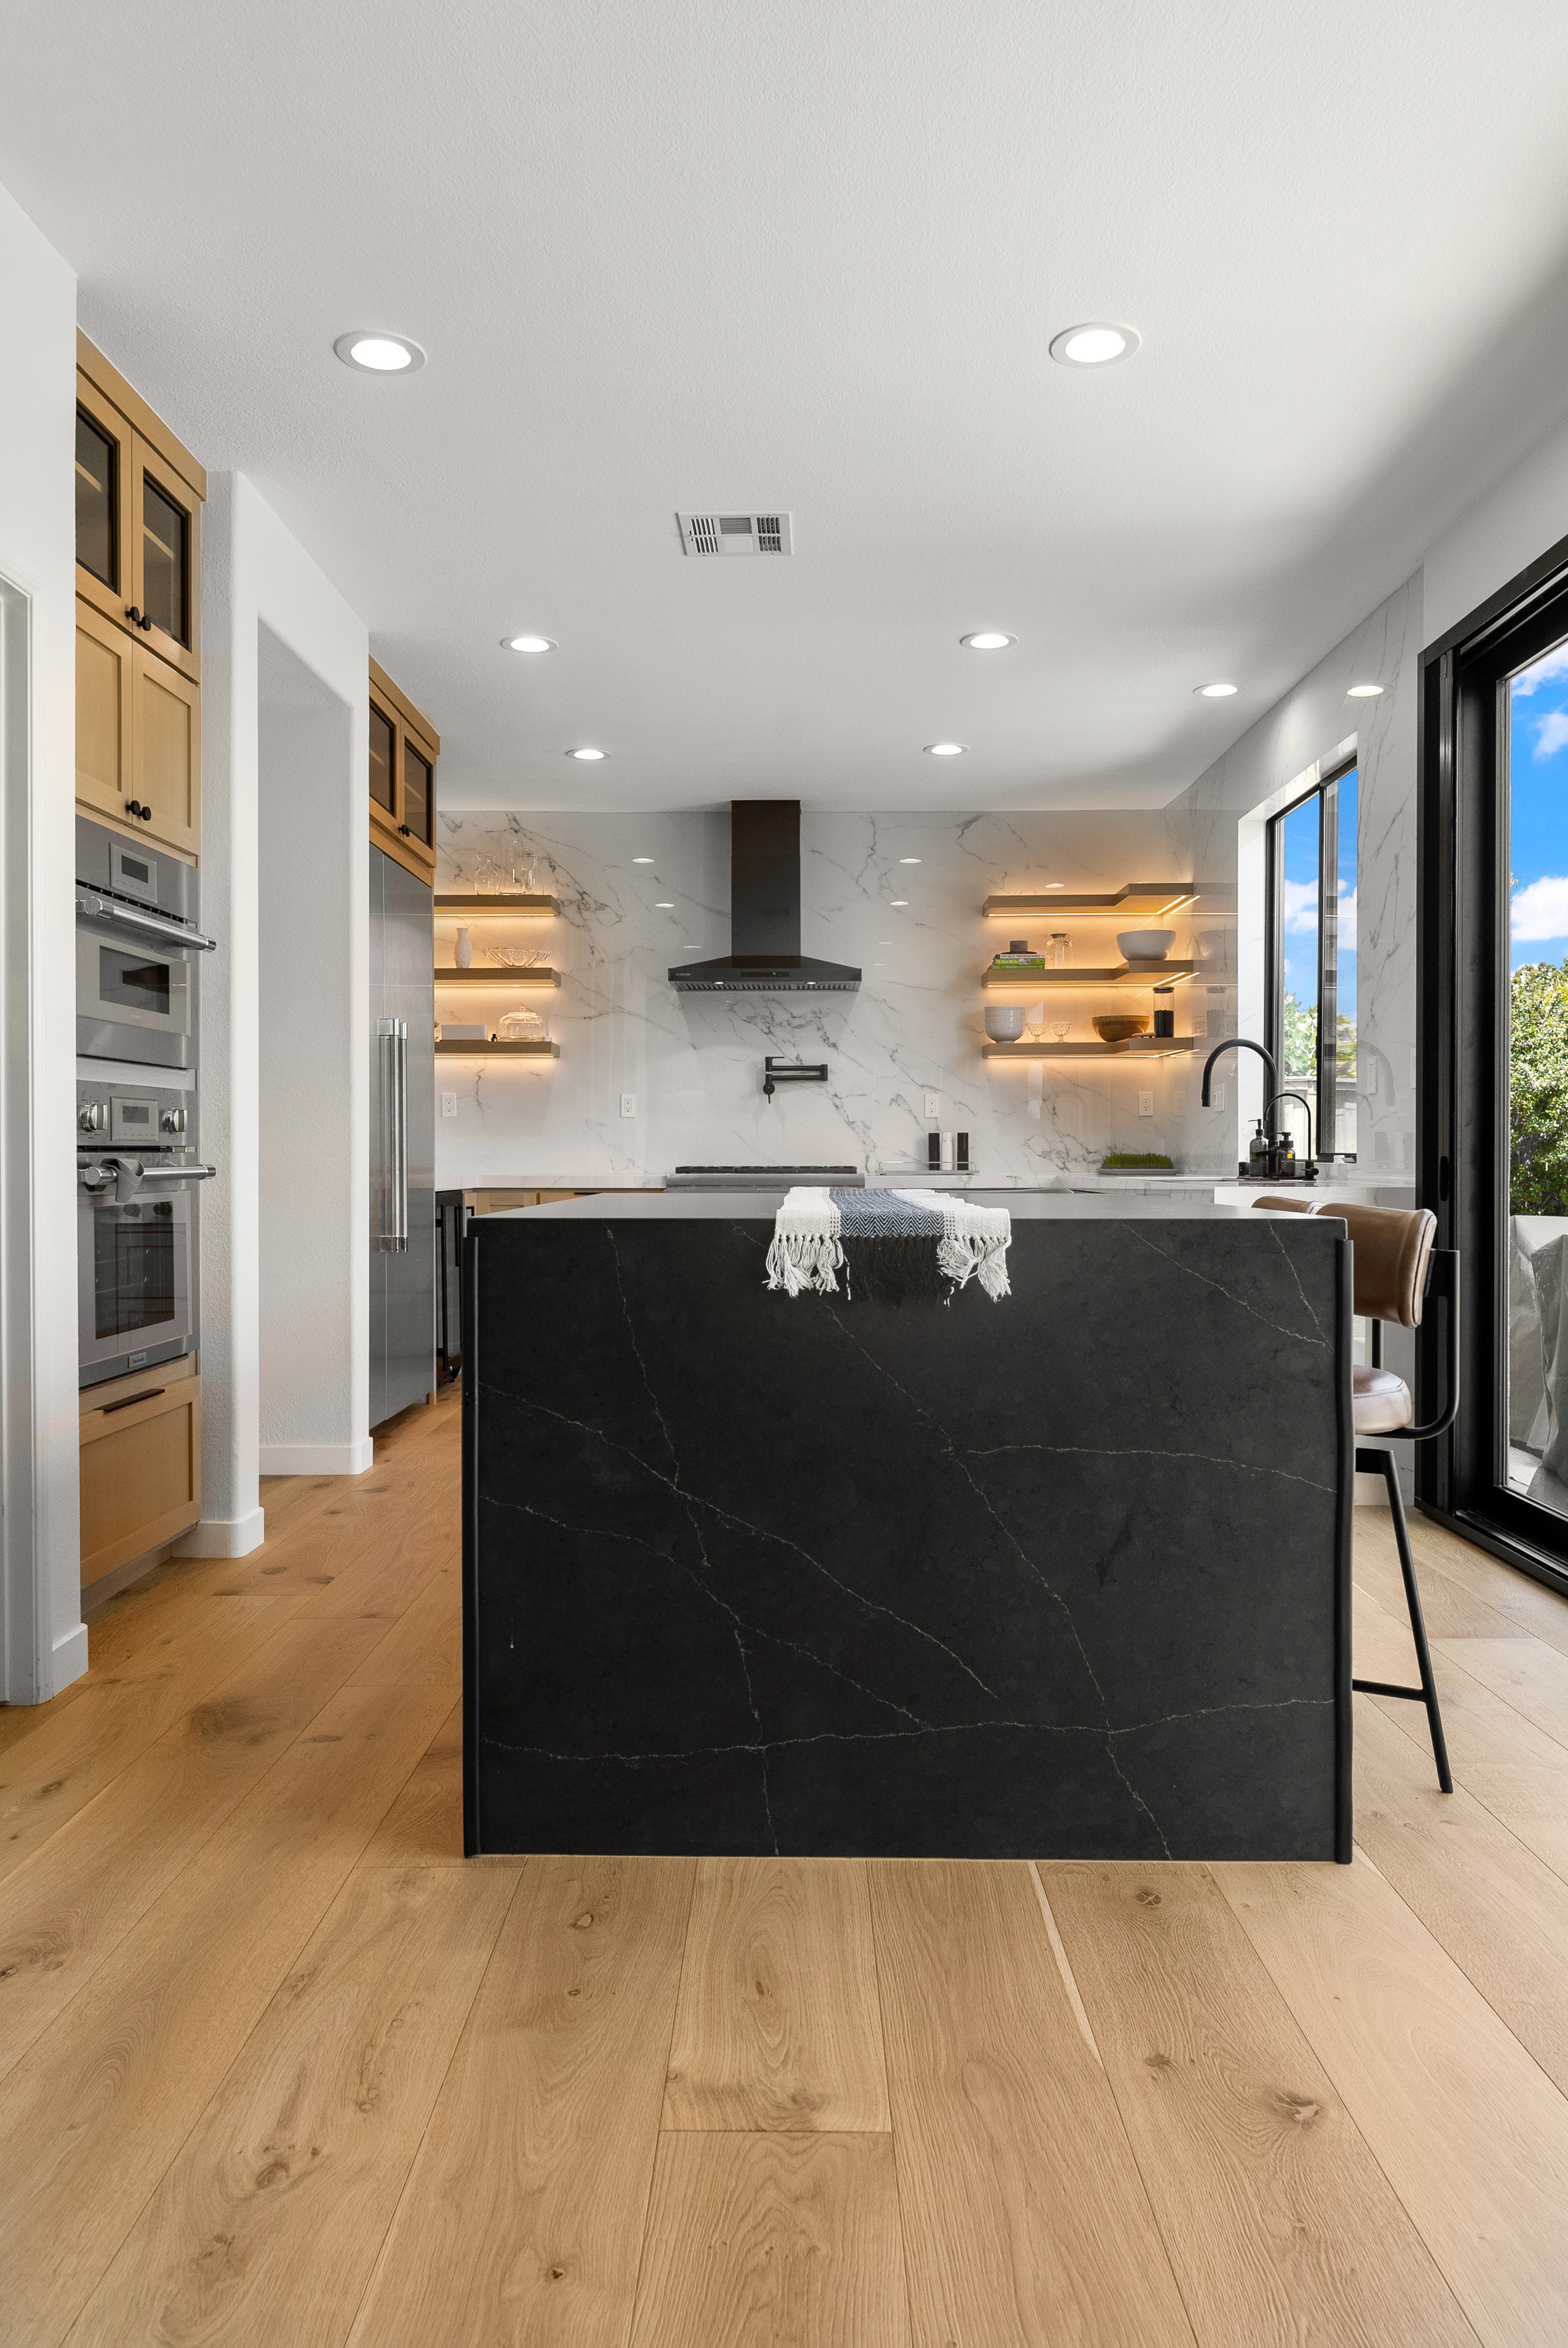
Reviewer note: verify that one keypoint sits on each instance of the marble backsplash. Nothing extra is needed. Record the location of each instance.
(694, 1064)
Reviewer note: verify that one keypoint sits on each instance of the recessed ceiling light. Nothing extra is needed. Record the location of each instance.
(908, 859)
(901, 901)
(664, 905)
(586, 754)
(1365, 692)
(1055, 884)
(379, 354)
(530, 644)
(989, 639)
(636, 859)
(1216, 692)
(1096, 344)
(946, 750)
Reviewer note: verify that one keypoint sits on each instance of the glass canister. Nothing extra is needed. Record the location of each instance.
(522, 1027)
(1056, 949)
(1165, 1011)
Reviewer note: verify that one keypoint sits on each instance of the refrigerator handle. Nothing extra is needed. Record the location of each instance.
(391, 1042)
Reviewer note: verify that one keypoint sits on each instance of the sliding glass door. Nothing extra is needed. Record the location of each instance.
(1494, 1059)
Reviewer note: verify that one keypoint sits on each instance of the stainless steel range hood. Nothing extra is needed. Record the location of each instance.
(765, 914)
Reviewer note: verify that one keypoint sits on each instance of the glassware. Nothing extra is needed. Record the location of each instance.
(1056, 947)
(522, 1027)
(1061, 1026)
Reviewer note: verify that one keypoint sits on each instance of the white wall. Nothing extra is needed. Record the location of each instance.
(313, 928)
(43, 1641)
(1315, 723)
(256, 578)
(1501, 534)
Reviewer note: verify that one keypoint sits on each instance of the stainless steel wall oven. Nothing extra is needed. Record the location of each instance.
(135, 1180)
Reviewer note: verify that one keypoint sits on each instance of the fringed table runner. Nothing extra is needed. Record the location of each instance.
(917, 1239)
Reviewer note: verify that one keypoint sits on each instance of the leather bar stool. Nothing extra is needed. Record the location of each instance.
(1396, 1268)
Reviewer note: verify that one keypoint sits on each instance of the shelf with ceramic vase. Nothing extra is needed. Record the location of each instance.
(499, 904)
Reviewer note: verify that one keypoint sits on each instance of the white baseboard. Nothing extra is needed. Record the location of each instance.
(68, 1659)
(224, 1536)
(317, 1458)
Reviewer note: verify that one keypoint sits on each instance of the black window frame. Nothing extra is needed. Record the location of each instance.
(1324, 1091)
(1462, 1010)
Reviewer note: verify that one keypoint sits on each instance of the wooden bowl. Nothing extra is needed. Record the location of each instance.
(1116, 1027)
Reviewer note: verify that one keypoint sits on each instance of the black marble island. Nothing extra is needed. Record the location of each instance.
(1063, 1577)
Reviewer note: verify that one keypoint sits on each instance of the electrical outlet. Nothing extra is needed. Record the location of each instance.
(1145, 1103)
(933, 1107)
(448, 1104)
(629, 1104)
(1218, 1096)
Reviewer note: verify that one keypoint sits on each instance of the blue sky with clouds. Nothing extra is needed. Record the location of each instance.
(1538, 814)
(1301, 854)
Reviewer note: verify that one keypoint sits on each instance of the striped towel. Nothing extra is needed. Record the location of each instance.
(810, 1229)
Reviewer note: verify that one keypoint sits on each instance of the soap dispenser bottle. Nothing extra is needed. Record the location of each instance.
(1257, 1154)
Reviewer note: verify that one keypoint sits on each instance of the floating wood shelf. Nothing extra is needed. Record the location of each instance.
(1137, 897)
(464, 1047)
(497, 975)
(1134, 1047)
(1122, 974)
(499, 906)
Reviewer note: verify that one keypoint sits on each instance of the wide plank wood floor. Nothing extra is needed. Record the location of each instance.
(277, 2066)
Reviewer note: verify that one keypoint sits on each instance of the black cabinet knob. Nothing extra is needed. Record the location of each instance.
(133, 615)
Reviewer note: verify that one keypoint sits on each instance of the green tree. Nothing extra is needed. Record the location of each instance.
(1300, 1037)
(1538, 1090)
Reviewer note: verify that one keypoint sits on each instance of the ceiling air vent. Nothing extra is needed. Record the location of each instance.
(747, 533)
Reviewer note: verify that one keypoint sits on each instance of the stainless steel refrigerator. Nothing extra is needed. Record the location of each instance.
(401, 1140)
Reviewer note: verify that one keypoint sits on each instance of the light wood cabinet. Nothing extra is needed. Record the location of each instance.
(139, 612)
(166, 750)
(139, 736)
(140, 1464)
(403, 750)
(105, 719)
(138, 516)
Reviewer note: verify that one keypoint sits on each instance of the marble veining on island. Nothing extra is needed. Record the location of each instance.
(1065, 1576)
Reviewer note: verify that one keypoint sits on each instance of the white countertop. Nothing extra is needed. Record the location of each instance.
(760, 1206)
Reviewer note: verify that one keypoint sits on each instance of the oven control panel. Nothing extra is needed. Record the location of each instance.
(111, 1115)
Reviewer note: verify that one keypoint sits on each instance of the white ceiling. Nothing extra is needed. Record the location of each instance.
(695, 254)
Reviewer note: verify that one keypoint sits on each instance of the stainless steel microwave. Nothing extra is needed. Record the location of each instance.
(138, 952)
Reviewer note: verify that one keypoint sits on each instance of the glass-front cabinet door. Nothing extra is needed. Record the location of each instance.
(139, 534)
(163, 600)
(104, 469)
(382, 765)
(418, 794)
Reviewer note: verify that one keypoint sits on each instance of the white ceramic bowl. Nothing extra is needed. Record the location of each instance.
(1004, 1021)
(1144, 945)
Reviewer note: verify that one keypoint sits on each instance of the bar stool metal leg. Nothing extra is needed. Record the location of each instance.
(1381, 1462)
